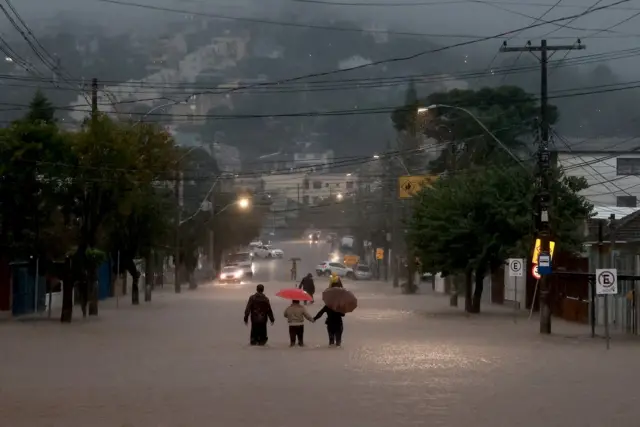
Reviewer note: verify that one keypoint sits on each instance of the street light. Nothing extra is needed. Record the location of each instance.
(243, 203)
(423, 110)
(339, 196)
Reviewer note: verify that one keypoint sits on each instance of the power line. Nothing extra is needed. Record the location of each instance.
(378, 62)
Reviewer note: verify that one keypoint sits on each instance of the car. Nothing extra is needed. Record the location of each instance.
(231, 274)
(328, 267)
(243, 261)
(363, 272)
(276, 253)
(314, 237)
(262, 251)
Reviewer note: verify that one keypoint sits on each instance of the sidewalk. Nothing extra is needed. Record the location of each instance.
(431, 305)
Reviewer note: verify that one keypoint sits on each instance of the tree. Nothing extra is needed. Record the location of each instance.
(471, 222)
(114, 165)
(40, 109)
(33, 155)
(507, 111)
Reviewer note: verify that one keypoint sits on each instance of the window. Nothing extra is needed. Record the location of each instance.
(317, 185)
(349, 185)
(626, 201)
(628, 166)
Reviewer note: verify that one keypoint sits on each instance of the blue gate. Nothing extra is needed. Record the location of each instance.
(104, 280)
(24, 290)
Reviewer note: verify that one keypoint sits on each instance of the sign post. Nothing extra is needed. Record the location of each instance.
(606, 284)
(516, 268)
(379, 258)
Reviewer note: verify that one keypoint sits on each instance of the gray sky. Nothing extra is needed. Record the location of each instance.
(441, 17)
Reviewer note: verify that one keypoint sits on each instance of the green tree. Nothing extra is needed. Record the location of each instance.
(33, 154)
(507, 111)
(40, 109)
(114, 165)
(471, 222)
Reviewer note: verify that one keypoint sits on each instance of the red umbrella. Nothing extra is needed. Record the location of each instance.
(294, 294)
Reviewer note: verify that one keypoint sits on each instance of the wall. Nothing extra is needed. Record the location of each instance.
(598, 170)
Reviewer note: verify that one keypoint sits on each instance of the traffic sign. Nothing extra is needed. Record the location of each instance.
(410, 185)
(606, 281)
(516, 267)
(544, 263)
(351, 260)
(379, 253)
(534, 272)
(536, 250)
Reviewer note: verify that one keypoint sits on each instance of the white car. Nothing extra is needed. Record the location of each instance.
(242, 261)
(263, 251)
(276, 253)
(326, 268)
(231, 274)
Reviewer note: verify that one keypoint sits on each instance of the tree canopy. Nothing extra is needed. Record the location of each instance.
(470, 222)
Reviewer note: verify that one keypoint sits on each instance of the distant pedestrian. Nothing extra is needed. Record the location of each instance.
(296, 314)
(259, 310)
(308, 286)
(334, 281)
(294, 271)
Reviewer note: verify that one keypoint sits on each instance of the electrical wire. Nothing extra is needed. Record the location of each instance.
(378, 62)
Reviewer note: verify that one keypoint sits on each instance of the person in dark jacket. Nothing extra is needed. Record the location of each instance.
(308, 286)
(334, 324)
(259, 309)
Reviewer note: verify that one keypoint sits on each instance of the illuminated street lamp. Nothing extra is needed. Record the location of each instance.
(424, 110)
(243, 203)
(339, 196)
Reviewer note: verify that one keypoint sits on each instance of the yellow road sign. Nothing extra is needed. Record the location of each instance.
(351, 260)
(536, 250)
(379, 253)
(409, 185)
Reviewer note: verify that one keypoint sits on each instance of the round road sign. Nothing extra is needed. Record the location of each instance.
(516, 265)
(606, 279)
(534, 272)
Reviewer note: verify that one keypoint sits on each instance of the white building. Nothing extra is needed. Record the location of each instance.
(611, 166)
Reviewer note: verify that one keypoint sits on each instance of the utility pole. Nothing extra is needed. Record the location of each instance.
(544, 169)
(94, 99)
(178, 219)
(212, 258)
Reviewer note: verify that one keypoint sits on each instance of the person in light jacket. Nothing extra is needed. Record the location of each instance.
(296, 314)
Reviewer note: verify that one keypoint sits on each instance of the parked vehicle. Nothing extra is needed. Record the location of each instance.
(243, 261)
(363, 272)
(327, 267)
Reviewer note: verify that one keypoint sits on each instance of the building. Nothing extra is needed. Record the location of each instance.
(611, 166)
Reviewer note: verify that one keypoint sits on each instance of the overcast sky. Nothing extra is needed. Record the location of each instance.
(453, 17)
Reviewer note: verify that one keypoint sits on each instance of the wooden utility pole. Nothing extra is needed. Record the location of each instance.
(94, 99)
(544, 169)
(178, 219)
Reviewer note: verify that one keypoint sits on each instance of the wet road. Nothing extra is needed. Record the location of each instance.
(279, 270)
(407, 360)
